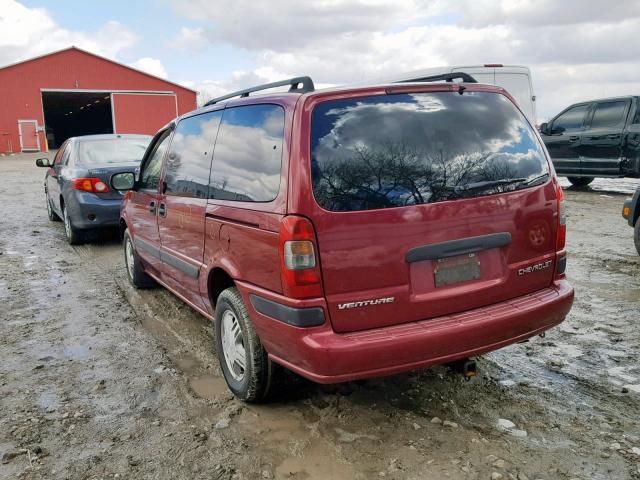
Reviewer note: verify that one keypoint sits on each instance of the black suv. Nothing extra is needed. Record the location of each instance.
(599, 138)
(631, 212)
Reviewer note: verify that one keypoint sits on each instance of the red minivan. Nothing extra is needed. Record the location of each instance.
(351, 233)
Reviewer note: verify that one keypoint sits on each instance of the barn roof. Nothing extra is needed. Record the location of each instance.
(74, 48)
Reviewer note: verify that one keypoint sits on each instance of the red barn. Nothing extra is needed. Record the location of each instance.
(47, 99)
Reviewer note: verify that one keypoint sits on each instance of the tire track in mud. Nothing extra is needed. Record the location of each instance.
(164, 411)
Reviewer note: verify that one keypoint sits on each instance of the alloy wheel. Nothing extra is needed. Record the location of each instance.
(233, 345)
(67, 223)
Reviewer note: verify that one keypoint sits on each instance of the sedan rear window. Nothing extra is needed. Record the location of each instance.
(121, 150)
(410, 149)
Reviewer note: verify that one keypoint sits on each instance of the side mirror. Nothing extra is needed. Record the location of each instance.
(123, 181)
(544, 128)
(44, 162)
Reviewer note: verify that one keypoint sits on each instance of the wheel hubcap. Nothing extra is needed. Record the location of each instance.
(129, 257)
(233, 345)
(67, 223)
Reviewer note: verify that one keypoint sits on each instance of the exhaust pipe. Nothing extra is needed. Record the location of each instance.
(467, 367)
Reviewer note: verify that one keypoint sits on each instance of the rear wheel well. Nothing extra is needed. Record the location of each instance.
(219, 280)
(123, 227)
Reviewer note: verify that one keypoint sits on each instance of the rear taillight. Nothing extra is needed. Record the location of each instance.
(561, 238)
(299, 264)
(92, 184)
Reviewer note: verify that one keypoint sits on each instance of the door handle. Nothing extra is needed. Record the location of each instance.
(613, 136)
(162, 210)
(152, 208)
(574, 138)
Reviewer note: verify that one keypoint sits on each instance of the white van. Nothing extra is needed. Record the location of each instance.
(515, 79)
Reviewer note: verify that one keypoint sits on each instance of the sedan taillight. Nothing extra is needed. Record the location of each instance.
(94, 185)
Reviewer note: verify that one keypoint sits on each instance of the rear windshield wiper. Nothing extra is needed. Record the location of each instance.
(525, 181)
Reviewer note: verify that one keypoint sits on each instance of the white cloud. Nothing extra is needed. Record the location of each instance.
(189, 39)
(287, 25)
(28, 32)
(150, 65)
(576, 49)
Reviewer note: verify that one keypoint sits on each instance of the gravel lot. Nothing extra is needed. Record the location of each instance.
(100, 381)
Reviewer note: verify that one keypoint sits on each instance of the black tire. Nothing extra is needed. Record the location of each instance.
(580, 181)
(53, 216)
(135, 271)
(74, 236)
(255, 378)
(636, 235)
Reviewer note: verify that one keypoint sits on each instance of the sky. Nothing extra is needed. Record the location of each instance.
(576, 49)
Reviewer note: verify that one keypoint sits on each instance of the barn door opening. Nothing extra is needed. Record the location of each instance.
(70, 114)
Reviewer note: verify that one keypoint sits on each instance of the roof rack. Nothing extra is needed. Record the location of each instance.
(447, 77)
(297, 85)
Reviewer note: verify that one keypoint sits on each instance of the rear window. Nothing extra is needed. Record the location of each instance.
(410, 149)
(121, 150)
(608, 114)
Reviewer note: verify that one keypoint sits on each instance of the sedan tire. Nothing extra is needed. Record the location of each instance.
(74, 236)
(53, 216)
(636, 235)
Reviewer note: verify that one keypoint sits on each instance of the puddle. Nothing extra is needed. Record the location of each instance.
(48, 400)
(208, 386)
(77, 352)
(316, 461)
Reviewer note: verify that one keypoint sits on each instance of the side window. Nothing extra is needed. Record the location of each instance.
(60, 153)
(186, 171)
(608, 114)
(150, 173)
(636, 118)
(248, 154)
(66, 154)
(570, 120)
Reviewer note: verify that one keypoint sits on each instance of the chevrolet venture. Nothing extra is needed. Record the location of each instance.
(354, 232)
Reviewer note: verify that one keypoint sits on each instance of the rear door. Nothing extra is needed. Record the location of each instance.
(53, 177)
(181, 212)
(425, 206)
(631, 142)
(563, 139)
(601, 143)
(143, 204)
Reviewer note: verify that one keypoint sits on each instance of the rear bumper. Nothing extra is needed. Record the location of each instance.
(90, 211)
(321, 355)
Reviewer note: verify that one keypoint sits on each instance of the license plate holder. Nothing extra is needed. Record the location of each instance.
(458, 269)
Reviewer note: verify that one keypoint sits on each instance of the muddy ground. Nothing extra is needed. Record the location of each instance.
(100, 381)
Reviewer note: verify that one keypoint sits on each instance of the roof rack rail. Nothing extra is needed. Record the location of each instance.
(297, 85)
(447, 77)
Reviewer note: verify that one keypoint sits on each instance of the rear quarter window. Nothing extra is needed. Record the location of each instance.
(248, 154)
(410, 149)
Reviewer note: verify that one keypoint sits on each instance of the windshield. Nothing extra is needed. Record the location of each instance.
(409, 149)
(117, 150)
